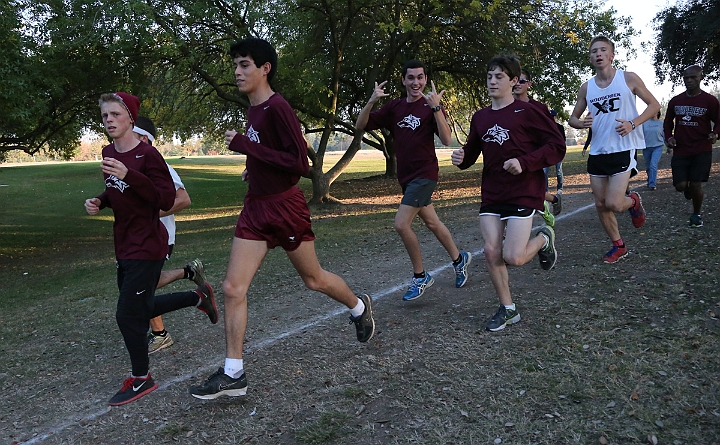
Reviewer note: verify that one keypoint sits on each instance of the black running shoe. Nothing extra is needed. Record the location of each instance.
(133, 388)
(364, 324)
(557, 205)
(220, 384)
(207, 301)
(548, 254)
(502, 318)
(695, 220)
(196, 266)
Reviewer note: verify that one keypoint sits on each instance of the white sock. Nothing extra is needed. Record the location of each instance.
(233, 367)
(140, 376)
(358, 310)
(510, 307)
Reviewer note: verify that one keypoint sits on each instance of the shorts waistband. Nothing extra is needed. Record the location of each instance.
(282, 195)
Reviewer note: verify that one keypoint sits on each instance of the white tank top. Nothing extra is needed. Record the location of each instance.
(616, 101)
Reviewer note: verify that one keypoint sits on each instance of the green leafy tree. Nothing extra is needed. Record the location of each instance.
(337, 50)
(54, 67)
(173, 55)
(688, 33)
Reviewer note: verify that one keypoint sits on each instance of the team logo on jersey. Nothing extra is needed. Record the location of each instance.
(687, 121)
(253, 135)
(606, 104)
(496, 134)
(113, 181)
(410, 122)
(689, 111)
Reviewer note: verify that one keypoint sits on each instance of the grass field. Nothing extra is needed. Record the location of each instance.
(614, 354)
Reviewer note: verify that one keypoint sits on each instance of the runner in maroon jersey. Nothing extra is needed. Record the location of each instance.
(274, 214)
(521, 92)
(137, 186)
(413, 121)
(517, 140)
(158, 337)
(691, 128)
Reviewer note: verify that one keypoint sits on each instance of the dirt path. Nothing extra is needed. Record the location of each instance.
(620, 352)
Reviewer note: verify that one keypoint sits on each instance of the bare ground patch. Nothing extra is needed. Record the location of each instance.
(604, 354)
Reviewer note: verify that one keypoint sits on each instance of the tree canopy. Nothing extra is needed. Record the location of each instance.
(688, 33)
(62, 54)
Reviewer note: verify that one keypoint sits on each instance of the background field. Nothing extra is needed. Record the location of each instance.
(604, 354)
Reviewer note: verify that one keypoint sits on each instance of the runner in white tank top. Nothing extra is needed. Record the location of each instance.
(616, 101)
(615, 124)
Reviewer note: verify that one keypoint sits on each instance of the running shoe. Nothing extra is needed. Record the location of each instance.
(548, 254)
(557, 206)
(207, 301)
(364, 324)
(159, 342)
(615, 254)
(418, 286)
(637, 212)
(696, 221)
(220, 384)
(502, 318)
(461, 273)
(198, 271)
(133, 388)
(547, 215)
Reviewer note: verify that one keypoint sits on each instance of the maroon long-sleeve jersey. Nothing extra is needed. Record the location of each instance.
(519, 130)
(136, 201)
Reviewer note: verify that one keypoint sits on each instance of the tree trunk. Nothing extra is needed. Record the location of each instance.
(321, 187)
(390, 166)
(390, 158)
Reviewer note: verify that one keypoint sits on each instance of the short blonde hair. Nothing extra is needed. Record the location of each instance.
(602, 39)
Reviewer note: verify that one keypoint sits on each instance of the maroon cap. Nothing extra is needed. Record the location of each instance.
(132, 104)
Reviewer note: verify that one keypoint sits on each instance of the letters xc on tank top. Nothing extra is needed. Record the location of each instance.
(616, 101)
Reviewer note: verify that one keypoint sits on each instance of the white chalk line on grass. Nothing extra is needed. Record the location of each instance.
(264, 343)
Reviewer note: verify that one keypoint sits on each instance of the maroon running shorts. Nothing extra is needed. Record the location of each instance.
(280, 220)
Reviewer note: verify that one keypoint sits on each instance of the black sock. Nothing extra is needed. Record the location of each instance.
(162, 333)
(188, 273)
(555, 199)
(420, 275)
(458, 260)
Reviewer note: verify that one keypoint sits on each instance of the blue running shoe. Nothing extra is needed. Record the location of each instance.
(417, 287)
(461, 273)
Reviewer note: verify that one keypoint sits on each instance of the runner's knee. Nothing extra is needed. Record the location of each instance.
(236, 293)
(492, 253)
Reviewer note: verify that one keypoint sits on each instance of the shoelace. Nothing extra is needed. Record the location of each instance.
(415, 283)
(127, 383)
